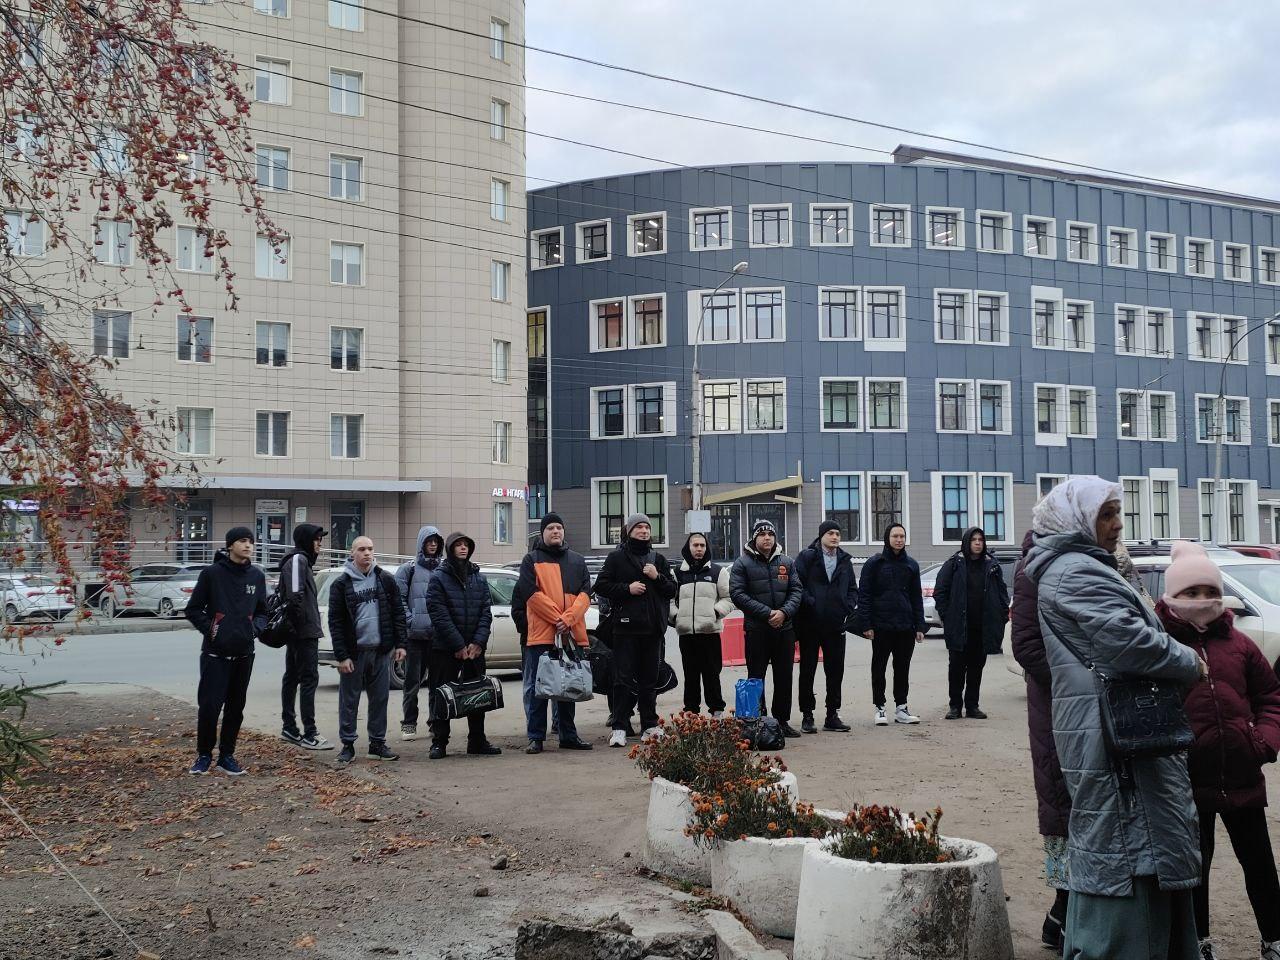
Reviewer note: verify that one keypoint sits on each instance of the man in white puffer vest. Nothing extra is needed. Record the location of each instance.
(697, 611)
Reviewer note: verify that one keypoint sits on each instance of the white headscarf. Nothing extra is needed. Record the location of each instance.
(1073, 506)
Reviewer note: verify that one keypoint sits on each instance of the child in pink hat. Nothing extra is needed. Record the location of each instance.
(1235, 717)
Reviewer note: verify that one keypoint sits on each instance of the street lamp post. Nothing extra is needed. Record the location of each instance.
(695, 400)
(1220, 419)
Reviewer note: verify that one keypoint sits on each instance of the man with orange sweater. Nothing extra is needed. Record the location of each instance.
(551, 598)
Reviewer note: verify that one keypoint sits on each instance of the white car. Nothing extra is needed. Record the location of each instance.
(504, 642)
(159, 588)
(928, 578)
(31, 594)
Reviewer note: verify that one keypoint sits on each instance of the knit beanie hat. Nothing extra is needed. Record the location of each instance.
(826, 526)
(239, 533)
(1191, 567)
(762, 526)
(549, 519)
(633, 520)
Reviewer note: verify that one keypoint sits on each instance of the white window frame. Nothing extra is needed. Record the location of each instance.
(905, 518)
(633, 499)
(771, 430)
(109, 240)
(1027, 235)
(271, 67)
(742, 314)
(498, 39)
(213, 418)
(499, 112)
(669, 409)
(499, 199)
(974, 483)
(1144, 410)
(791, 227)
(501, 507)
(345, 414)
(1057, 478)
(815, 230)
(958, 213)
(345, 94)
(1217, 336)
(1091, 338)
(1092, 432)
(1058, 332)
(822, 394)
(1004, 318)
(1137, 347)
(1169, 475)
(1262, 273)
(726, 242)
(1246, 263)
(1132, 234)
(268, 12)
(111, 316)
(1008, 230)
(500, 361)
(1144, 507)
(858, 318)
(1272, 440)
(1006, 407)
(363, 272)
(1246, 414)
(200, 263)
(535, 254)
(860, 535)
(1208, 260)
(288, 435)
(629, 318)
(350, 8)
(872, 344)
(595, 507)
(873, 231)
(501, 451)
(593, 325)
(736, 408)
(903, 397)
(275, 262)
(694, 316)
(499, 281)
(1251, 518)
(631, 234)
(1058, 437)
(345, 158)
(1092, 229)
(1153, 263)
(580, 245)
(271, 150)
(345, 327)
(288, 344)
(593, 413)
(970, 404)
(968, 325)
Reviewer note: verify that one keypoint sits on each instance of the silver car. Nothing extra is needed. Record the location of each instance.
(31, 594)
(159, 588)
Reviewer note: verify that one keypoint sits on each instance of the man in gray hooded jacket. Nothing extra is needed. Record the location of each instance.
(412, 578)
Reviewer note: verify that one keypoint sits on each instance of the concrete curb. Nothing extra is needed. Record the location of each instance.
(734, 941)
(95, 627)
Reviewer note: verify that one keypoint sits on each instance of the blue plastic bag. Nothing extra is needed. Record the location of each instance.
(747, 695)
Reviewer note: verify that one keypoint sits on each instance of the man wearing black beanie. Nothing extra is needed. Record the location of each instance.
(830, 599)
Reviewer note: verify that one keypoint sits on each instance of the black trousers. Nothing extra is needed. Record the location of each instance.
(832, 646)
(415, 671)
(1248, 832)
(301, 677)
(224, 685)
(900, 646)
(444, 667)
(635, 678)
(765, 648)
(964, 674)
(702, 659)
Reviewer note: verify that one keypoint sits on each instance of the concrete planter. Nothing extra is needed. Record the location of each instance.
(762, 878)
(854, 910)
(666, 848)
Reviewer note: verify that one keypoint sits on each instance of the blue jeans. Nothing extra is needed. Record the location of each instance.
(535, 708)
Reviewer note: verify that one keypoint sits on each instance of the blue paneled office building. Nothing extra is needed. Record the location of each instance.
(935, 341)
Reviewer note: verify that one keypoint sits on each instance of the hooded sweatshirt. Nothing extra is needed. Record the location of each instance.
(972, 598)
(229, 606)
(412, 578)
(889, 596)
(298, 583)
(702, 598)
(364, 588)
(357, 601)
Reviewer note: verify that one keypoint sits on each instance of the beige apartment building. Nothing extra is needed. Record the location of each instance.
(374, 377)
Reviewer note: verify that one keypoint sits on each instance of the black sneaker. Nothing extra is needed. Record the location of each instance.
(535, 746)
(575, 744)
(378, 750)
(976, 714)
(953, 713)
(437, 752)
(291, 736)
(807, 724)
(348, 753)
(789, 731)
(835, 723)
(1051, 934)
(483, 749)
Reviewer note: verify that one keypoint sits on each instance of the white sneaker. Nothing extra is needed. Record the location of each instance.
(881, 719)
(618, 738)
(718, 715)
(903, 715)
(1208, 953)
(1271, 951)
(653, 733)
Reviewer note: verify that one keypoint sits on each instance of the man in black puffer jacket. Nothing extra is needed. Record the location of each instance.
(764, 586)
(301, 655)
(830, 602)
(458, 601)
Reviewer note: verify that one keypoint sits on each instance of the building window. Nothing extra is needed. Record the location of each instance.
(711, 229)
(885, 406)
(501, 361)
(764, 315)
(1040, 237)
(272, 433)
(272, 168)
(1047, 481)
(111, 333)
(717, 317)
(537, 501)
(771, 226)
(195, 253)
(1235, 261)
(497, 120)
(1199, 257)
(994, 408)
(650, 496)
(1132, 497)
(271, 80)
(346, 92)
(648, 324)
(346, 345)
(195, 432)
(1273, 422)
(951, 316)
(1127, 329)
(1159, 332)
(1048, 412)
(953, 406)
(536, 334)
(1268, 265)
(499, 281)
(946, 228)
(611, 510)
(501, 522)
(593, 241)
(993, 318)
(830, 225)
(346, 522)
(346, 264)
(955, 506)
(498, 190)
(1160, 415)
(345, 431)
(346, 14)
(884, 314)
(1203, 336)
(841, 404)
(1080, 403)
(1238, 497)
(501, 441)
(497, 48)
(1234, 342)
(1206, 419)
(112, 242)
(648, 234)
(1122, 247)
(766, 406)
(1160, 252)
(610, 413)
(548, 247)
(272, 344)
(1079, 323)
(1127, 406)
(609, 325)
(648, 404)
(271, 260)
(1082, 242)
(23, 320)
(842, 502)
(346, 177)
(195, 339)
(995, 509)
(1048, 332)
(1162, 509)
(995, 232)
(890, 226)
(888, 499)
(721, 407)
(1236, 420)
(838, 313)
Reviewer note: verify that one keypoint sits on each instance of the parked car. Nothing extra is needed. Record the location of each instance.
(504, 641)
(159, 588)
(1265, 551)
(28, 595)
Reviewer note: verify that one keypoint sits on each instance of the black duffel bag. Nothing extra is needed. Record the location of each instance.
(461, 698)
(763, 733)
(601, 658)
(279, 630)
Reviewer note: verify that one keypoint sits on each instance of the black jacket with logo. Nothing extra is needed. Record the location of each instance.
(229, 606)
(758, 585)
(298, 583)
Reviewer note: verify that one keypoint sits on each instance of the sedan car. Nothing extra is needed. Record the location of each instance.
(159, 588)
(29, 595)
(504, 641)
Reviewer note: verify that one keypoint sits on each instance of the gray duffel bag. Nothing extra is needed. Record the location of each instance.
(564, 673)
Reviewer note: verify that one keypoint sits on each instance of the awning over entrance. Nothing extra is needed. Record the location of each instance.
(776, 487)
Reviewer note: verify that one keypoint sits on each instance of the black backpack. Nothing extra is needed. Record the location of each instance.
(280, 629)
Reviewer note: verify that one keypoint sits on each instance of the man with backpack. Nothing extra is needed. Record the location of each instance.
(297, 589)
(413, 578)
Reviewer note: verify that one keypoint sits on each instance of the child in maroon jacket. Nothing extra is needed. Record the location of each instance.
(1236, 721)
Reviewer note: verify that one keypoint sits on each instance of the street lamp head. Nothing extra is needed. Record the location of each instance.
(740, 266)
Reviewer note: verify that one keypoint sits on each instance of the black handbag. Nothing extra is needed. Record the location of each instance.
(601, 658)
(461, 698)
(763, 733)
(280, 629)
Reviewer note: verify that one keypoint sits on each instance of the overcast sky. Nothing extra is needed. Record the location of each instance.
(1176, 90)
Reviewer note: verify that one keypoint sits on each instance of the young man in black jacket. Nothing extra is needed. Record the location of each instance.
(366, 624)
(763, 584)
(891, 616)
(301, 655)
(973, 603)
(229, 608)
(637, 582)
(413, 577)
(830, 600)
